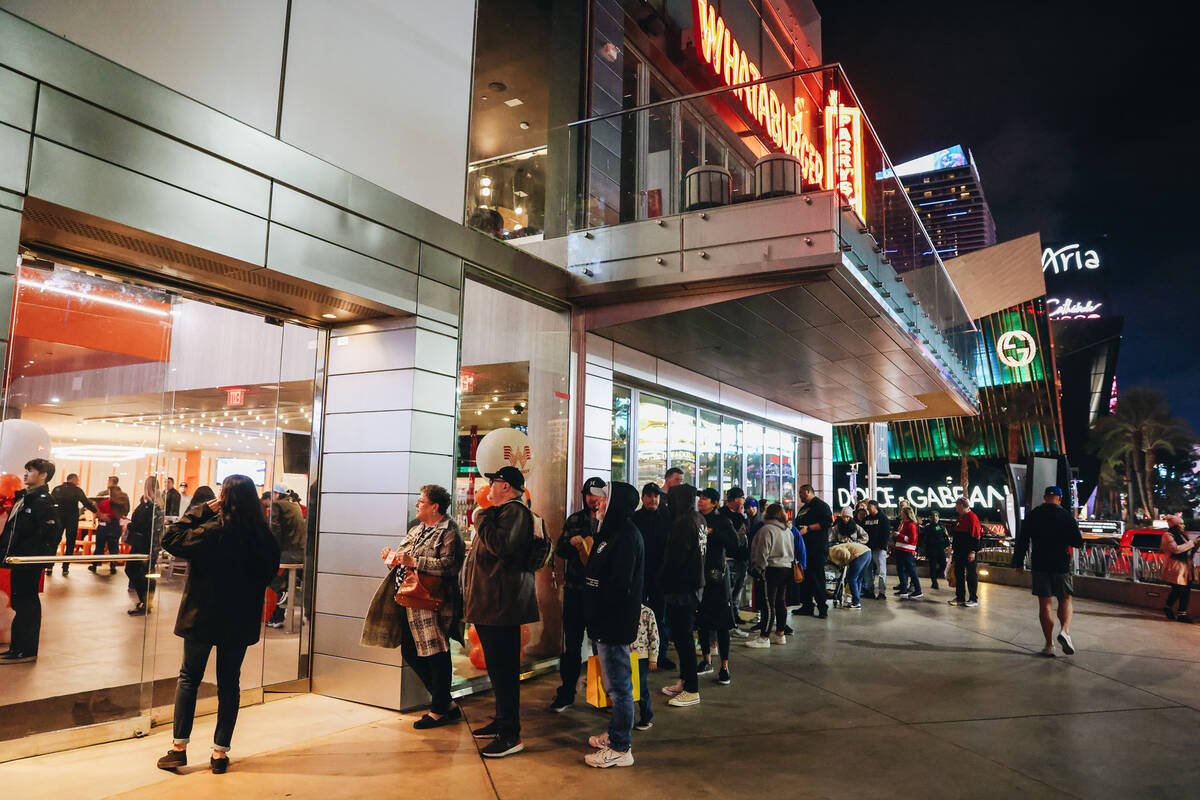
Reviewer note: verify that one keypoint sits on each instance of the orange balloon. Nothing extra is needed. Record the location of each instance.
(481, 497)
(473, 635)
(476, 658)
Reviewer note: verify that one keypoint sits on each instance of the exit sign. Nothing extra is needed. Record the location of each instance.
(235, 397)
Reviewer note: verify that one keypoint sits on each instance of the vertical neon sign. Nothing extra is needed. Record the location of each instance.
(843, 152)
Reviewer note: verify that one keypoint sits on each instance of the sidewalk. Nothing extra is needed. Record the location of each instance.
(915, 699)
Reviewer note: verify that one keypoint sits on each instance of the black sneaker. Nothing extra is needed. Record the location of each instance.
(723, 677)
(824, 614)
(560, 705)
(489, 731)
(1170, 612)
(173, 760)
(66, 570)
(218, 765)
(92, 568)
(449, 718)
(15, 657)
(502, 746)
(704, 667)
(787, 630)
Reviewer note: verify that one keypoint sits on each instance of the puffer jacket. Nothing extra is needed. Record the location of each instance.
(772, 547)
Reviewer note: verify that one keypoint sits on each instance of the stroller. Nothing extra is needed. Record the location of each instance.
(840, 558)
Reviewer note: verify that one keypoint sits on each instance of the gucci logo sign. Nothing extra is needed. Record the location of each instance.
(1016, 349)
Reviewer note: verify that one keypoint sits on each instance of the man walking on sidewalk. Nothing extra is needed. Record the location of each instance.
(1052, 531)
(968, 536)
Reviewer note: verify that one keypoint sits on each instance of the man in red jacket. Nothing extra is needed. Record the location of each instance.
(968, 533)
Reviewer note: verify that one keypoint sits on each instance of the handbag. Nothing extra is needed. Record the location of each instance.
(596, 695)
(420, 590)
(797, 572)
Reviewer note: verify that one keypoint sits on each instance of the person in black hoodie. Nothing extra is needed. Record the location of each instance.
(682, 581)
(613, 607)
(232, 556)
(814, 520)
(653, 522)
(878, 528)
(714, 616)
(934, 541)
(578, 537)
(146, 520)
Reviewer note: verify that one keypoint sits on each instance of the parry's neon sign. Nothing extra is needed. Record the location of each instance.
(717, 46)
(843, 151)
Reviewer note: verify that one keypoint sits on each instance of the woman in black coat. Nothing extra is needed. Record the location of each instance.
(232, 556)
(144, 522)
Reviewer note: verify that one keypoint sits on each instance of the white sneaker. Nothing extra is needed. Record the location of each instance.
(738, 632)
(674, 689)
(1067, 645)
(758, 642)
(704, 667)
(972, 604)
(778, 638)
(1048, 651)
(916, 596)
(903, 595)
(605, 758)
(684, 699)
(854, 607)
(599, 742)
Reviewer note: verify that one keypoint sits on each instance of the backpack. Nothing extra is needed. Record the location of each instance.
(541, 550)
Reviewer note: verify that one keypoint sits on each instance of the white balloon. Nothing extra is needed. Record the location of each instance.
(504, 447)
(20, 441)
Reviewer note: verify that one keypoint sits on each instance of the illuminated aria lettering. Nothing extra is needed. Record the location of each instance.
(843, 151)
(1067, 308)
(1069, 258)
(729, 62)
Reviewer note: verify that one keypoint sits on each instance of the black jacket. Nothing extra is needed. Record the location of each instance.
(146, 520)
(229, 567)
(934, 541)
(740, 527)
(581, 524)
(722, 544)
(612, 599)
(1052, 531)
(69, 498)
(33, 531)
(816, 512)
(653, 525)
(683, 560)
(497, 587)
(877, 526)
(171, 501)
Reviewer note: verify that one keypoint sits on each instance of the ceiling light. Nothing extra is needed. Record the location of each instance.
(518, 210)
(506, 419)
(55, 400)
(524, 126)
(485, 191)
(513, 103)
(329, 316)
(495, 398)
(102, 452)
(485, 181)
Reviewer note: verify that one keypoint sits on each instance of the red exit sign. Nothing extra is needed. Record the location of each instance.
(235, 397)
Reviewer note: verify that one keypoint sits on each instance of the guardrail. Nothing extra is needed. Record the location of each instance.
(1096, 560)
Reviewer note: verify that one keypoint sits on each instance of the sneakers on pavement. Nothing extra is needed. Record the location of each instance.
(560, 705)
(903, 595)
(778, 638)
(738, 632)
(972, 604)
(723, 677)
(173, 760)
(1048, 651)
(704, 667)
(674, 689)
(957, 602)
(489, 731)
(644, 725)
(602, 759)
(854, 607)
(758, 643)
(501, 747)
(1067, 645)
(684, 699)
(916, 596)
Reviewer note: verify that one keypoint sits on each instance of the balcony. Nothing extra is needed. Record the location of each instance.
(756, 233)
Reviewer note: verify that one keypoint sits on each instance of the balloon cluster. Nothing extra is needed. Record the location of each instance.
(476, 654)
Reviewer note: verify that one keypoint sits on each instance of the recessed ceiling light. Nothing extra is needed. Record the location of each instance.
(524, 126)
(485, 181)
(516, 101)
(329, 316)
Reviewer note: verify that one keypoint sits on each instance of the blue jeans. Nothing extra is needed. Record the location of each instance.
(906, 565)
(618, 683)
(854, 575)
(229, 695)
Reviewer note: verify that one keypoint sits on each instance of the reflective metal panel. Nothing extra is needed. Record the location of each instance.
(17, 95)
(441, 266)
(10, 238)
(304, 213)
(77, 181)
(344, 595)
(84, 127)
(438, 301)
(357, 681)
(14, 158)
(340, 636)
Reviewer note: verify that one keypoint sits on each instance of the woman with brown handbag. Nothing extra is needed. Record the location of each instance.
(418, 607)
(773, 558)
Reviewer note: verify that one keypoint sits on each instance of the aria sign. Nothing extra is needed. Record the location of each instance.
(1016, 349)
(1069, 258)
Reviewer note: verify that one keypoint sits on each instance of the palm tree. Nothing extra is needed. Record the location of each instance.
(1016, 411)
(964, 442)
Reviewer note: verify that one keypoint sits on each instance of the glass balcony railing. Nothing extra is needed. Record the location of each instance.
(798, 134)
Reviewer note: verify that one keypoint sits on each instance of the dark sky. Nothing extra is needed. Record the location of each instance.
(1082, 122)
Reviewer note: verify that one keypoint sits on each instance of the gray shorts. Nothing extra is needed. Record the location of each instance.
(1053, 584)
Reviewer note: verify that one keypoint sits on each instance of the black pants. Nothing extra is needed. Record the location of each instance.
(658, 604)
(813, 594)
(1179, 594)
(722, 642)
(27, 610)
(434, 670)
(229, 694)
(108, 534)
(502, 651)
(681, 614)
(774, 603)
(70, 532)
(937, 569)
(574, 628)
(965, 577)
(136, 571)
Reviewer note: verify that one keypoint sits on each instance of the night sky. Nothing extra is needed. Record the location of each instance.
(1082, 123)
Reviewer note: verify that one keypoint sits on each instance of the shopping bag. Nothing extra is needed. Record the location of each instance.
(950, 580)
(596, 696)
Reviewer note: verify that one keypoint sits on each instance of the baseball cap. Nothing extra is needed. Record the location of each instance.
(594, 487)
(652, 488)
(712, 494)
(279, 488)
(847, 511)
(1053, 490)
(510, 475)
(734, 493)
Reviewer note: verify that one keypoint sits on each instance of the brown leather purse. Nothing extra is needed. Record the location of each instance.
(420, 590)
(797, 572)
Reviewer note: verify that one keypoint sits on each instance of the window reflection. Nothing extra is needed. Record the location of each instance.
(652, 438)
(683, 440)
(709, 473)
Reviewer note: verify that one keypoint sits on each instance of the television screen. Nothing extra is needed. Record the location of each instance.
(255, 469)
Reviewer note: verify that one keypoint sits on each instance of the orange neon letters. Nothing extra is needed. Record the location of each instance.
(843, 152)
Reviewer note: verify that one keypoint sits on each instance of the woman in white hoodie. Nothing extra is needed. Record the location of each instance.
(771, 557)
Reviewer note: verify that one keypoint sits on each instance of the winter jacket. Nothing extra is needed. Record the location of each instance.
(934, 541)
(287, 525)
(69, 498)
(850, 532)
(968, 533)
(653, 525)
(147, 520)
(497, 589)
(906, 537)
(878, 528)
(722, 544)
(229, 566)
(772, 548)
(612, 595)
(32, 528)
(582, 524)
(683, 561)
(740, 526)
(1177, 568)
(1052, 531)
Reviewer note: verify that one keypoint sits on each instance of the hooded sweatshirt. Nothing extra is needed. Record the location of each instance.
(772, 547)
(612, 599)
(683, 560)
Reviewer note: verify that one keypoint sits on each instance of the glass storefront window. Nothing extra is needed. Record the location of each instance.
(771, 464)
(731, 453)
(651, 439)
(709, 471)
(754, 460)
(620, 433)
(788, 471)
(683, 440)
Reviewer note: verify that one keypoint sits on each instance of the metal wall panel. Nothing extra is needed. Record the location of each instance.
(311, 259)
(11, 200)
(354, 554)
(371, 391)
(345, 595)
(10, 238)
(436, 393)
(433, 468)
(436, 352)
(307, 214)
(357, 681)
(394, 349)
(438, 301)
(375, 514)
(372, 431)
(630, 240)
(87, 184)
(441, 266)
(786, 216)
(17, 96)
(85, 127)
(14, 158)
(597, 422)
(340, 636)
(433, 433)
(364, 472)
(597, 454)
(598, 391)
